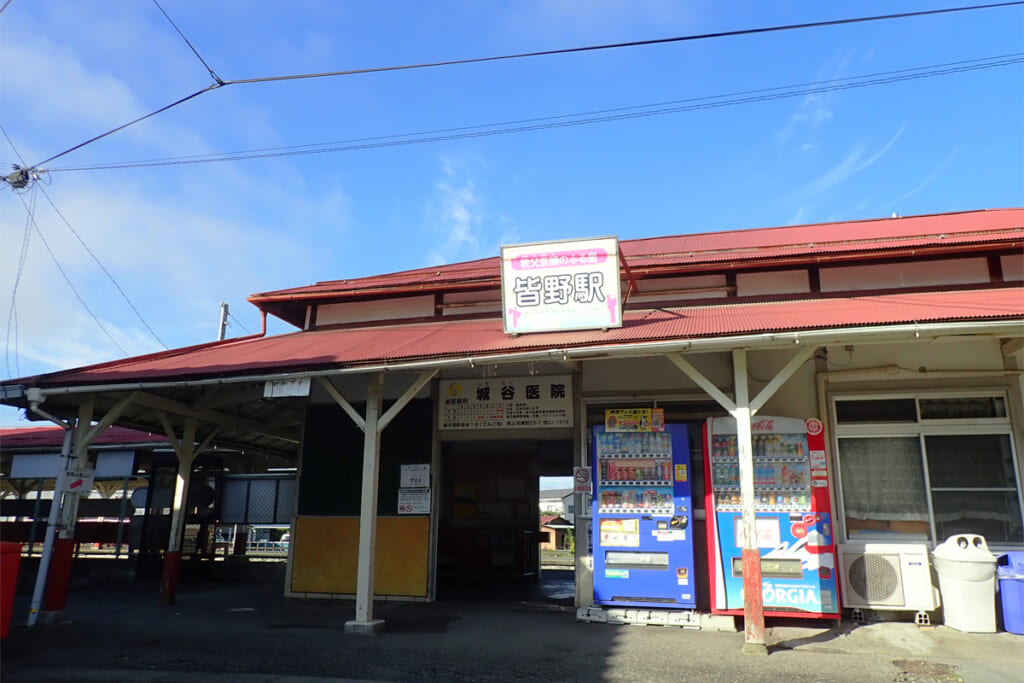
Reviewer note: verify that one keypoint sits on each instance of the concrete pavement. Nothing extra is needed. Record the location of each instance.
(250, 633)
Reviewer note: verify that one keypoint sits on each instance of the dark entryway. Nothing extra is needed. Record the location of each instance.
(489, 524)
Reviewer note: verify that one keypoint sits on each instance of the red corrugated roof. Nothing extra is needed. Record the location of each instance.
(36, 437)
(867, 237)
(446, 338)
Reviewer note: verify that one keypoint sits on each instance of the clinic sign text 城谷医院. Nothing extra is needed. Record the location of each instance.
(549, 286)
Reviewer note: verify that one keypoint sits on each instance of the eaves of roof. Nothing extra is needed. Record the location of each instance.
(442, 339)
(53, 437)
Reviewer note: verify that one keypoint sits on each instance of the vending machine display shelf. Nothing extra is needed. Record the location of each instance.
(651, 455)
(766, 488)
(634, 482)
(758, 507)
(759, 458)
(663, 511)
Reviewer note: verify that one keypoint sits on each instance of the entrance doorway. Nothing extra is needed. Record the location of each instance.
(489, 528)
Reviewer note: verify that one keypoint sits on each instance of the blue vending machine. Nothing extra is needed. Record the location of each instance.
(642, 523)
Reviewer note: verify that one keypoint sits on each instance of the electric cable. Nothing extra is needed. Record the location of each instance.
(12, 315)
(239, 322)
(215, 155)
(71, 284)
(436, 131)
(188, 42)
(632, 43)
(130, 123)
(99, 263)
(6, 5)
(589, 48)
(694, 104)
(31, 219)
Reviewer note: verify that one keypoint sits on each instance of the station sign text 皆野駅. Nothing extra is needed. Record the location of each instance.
(550, 286)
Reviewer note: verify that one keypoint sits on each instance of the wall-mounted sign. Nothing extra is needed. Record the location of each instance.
(634, 420)
(549, 286)
(79, 481)
(414, 476)
(284, 388)
(581, 480)
(506, 403)
(414, 501)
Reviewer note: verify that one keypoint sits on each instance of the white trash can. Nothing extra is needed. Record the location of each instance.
(967, 583)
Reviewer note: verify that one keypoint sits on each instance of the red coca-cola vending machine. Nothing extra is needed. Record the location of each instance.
(793, 517)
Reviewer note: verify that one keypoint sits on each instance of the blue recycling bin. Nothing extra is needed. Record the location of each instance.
(1010, 572)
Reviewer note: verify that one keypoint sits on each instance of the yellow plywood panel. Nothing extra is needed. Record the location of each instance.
(325, 550)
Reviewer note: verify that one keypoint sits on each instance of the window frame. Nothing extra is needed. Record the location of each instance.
(921, 429)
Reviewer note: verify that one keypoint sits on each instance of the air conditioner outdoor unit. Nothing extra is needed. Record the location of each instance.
(885, 576)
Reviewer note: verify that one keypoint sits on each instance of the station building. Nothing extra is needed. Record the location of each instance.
(420, 421)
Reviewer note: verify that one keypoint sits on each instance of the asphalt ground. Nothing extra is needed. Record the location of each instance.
(248, 632)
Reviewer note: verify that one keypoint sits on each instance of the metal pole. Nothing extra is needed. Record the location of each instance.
(222, 328)
(51, 529)
(753, 602)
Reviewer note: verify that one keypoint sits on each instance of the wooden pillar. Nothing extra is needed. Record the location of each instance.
(753, 603)
(364, 621)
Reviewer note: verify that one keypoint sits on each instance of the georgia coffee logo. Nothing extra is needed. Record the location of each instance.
(814, 426)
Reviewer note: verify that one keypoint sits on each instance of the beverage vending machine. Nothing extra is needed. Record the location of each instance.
(642, 512)
(792, 512)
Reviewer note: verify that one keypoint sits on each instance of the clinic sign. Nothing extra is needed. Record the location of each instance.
(539, 402)
(551, 286)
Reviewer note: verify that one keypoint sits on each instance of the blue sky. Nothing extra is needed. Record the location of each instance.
(180, 239)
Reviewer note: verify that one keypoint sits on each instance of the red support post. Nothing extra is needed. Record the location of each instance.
(753, 605)
(169, 577)
(60, 574)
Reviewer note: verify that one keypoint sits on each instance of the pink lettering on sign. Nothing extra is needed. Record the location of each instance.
(559, 259)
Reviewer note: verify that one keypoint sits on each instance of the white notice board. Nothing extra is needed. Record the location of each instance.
(414, 476)
(414, 501)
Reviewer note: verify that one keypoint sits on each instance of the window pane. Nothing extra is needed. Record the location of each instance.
(962, 408)
(882, 410)
(993, 514)
(972, 461)
(883, 486)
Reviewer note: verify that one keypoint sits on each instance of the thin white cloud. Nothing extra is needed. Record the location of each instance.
(464, 226)
(854, 163)
(457, 218)
(814, 109)
(936, 172)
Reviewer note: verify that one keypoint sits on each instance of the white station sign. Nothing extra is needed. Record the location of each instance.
(548, 286)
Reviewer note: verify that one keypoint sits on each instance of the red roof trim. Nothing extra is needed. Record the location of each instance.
(441, 339)
(47, 437)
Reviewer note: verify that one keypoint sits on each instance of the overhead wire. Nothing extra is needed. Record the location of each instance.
(29, 224)
(70, 284)
(239, 322)
(6, 5)
(12, 312)
(109, 275)
(632, 43)
(637, 43)
(585, 118)
(578, 114)
(188, 42)
(31, 219)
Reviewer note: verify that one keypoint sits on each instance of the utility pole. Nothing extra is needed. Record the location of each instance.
(222, 328)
